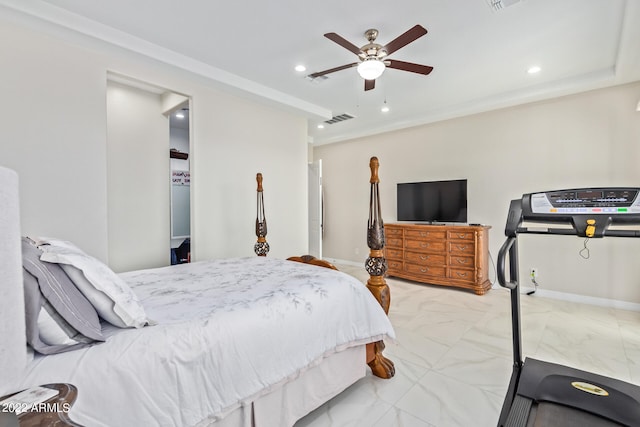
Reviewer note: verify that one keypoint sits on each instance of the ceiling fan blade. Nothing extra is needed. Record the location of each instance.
(409, 66)
(369, 84)
(332, 70)
(343, 42)
(405, 38)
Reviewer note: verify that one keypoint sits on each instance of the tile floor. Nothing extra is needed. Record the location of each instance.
(453, 357)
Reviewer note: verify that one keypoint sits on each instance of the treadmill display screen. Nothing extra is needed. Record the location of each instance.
(587, 201)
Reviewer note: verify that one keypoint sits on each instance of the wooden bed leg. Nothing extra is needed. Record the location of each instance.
(379, 364)
(376, 266)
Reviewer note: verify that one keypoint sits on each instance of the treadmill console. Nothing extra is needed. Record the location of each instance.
(589, 211)
(586, 201)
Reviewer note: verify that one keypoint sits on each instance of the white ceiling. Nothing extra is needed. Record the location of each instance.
(480, 56)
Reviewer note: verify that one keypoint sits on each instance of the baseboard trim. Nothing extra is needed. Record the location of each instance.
(581, 299)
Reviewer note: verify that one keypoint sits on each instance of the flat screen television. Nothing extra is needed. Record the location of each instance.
(433, 201)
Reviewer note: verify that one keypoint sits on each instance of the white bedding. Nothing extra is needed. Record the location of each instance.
(228, 331)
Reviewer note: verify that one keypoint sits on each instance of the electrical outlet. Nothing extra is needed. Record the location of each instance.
(533, 273)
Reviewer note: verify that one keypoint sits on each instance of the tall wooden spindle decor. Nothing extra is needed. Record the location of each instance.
(261, 248)
(376, 266)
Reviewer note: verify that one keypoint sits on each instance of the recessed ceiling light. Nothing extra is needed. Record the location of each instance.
(180, 114)
(300, 68)
(385, 109)
(534, 70)
(320, 126)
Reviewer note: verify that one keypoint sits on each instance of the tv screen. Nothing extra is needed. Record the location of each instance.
(434, 201)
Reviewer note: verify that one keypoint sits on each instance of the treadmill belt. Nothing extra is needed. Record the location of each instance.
(550, 414)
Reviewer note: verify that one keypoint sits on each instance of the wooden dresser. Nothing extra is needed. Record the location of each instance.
(449, 255)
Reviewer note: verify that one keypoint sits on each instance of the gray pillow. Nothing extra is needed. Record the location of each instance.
(59, 318)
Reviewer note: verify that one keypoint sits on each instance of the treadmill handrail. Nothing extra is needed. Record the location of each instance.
(502, 262)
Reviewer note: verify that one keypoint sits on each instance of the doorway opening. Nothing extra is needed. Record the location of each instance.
(180, 184)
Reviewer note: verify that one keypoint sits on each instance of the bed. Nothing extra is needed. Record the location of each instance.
(231, 342)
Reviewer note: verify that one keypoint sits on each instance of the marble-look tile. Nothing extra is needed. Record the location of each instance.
(492, 334)
(630, 332)
(358, 405)
(398, 418)
(627, 315)
(442, 328)
(446, 402)
(415, 348)
(468, 363)
(392, 389)
(610, 365)
(633, 361)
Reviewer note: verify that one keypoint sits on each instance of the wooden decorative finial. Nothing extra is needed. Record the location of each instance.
(261, 248)
(376, 266)
(374, 164)
(259, 179)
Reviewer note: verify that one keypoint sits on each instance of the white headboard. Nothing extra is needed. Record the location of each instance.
(13, 349)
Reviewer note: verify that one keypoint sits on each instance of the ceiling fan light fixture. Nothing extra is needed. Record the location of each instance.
(371, 68)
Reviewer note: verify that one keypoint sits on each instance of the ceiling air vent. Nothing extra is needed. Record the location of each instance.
(317, 79)
(339, 118)
(497, 5)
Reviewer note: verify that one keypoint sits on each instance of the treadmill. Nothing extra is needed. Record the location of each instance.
(548, 394)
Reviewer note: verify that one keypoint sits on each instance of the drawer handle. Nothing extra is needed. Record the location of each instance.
(462, 247)
(424, 245)
(424, 270)
(461, 274)
(462, 236)
(424, 257)
(423, 234)
(461, 260)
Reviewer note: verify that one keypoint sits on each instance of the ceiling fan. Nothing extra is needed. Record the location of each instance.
(372, 55)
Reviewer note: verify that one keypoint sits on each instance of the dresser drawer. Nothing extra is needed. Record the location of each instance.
(394, 242)
(423, 245)
(393, 254)
(461, 274)
(424, 258)
(462, 247)
(461, 235)
(462, 261)
(390, 231)
(394, 266)
(425, 270)
(425, 234)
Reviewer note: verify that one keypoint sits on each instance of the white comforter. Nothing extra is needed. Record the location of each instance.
(227, 332)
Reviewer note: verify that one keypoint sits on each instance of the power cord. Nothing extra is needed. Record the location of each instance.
(535, 283)
(584, 252)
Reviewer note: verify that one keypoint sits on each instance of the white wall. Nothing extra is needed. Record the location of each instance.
(54, 133)
(251, 139)
(138, 179)
(590, 139)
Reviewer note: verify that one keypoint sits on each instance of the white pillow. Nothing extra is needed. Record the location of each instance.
(50, 331)
(112, 298)
(39, 241)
